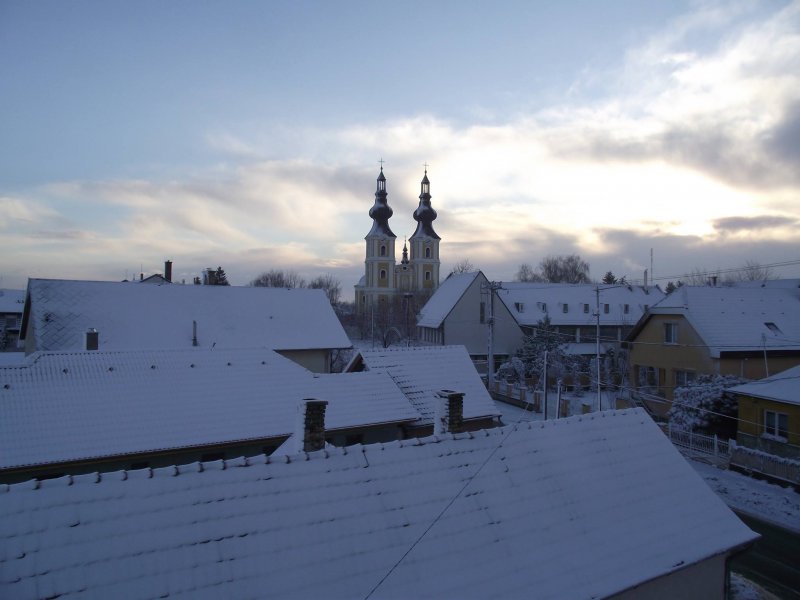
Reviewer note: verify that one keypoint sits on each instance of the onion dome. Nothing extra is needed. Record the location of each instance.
(380, 211)
(425, 215)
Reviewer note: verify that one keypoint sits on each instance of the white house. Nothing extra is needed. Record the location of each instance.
(298, 323)
(599, 506)
(11, 305)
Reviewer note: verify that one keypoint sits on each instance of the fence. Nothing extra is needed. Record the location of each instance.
(695, 442)
(766, 464)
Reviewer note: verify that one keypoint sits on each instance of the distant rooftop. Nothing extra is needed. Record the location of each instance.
(137, 317)
(445, 298)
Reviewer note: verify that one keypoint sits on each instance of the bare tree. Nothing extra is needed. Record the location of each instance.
(751, 271)
(564, 269)
(463, 266)
(526, 273)
(279, 278)
(330, 285)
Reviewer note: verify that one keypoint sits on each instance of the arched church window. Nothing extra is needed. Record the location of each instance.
(427, 275)
(383, 250)
(383, 273)
(427, 252)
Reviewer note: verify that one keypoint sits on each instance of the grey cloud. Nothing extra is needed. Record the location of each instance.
(735, 224)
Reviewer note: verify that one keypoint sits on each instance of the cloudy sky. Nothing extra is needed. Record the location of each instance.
(248, 134)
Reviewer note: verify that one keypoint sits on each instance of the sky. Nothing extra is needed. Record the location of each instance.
(248, 135)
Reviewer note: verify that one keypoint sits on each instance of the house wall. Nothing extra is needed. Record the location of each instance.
(702, 581)
(316, 361)
(751, 432)
(649, 350)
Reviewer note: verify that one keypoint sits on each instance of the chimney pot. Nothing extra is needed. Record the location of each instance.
(168, 270)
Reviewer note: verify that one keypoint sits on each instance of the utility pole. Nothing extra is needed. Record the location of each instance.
(491, 287)
(544, 378)
(597, 348)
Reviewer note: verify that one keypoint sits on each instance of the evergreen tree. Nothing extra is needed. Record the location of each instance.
(544, 338)
(609, 278)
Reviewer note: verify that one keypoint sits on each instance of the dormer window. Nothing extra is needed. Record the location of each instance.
(520, 306)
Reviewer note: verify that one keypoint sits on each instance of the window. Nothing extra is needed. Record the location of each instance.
(648, 377)
(586, 309)
(483, 312)
(520, 306)
(565, 308)
(670, 333)
(683, 378)
(776, 424)
(427, 275)
(383, 250)
(627, 309)
(606, 308)
(427, 252)
(383, 274)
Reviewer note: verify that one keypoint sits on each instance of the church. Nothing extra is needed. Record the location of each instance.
(417, 274)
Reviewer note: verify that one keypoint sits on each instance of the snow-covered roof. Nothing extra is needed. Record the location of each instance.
(445, 298)
(585, 507)
(137, 317)
(12, 301)
(63, 407)
(738, 318)
(782, 387)
(422, 371)
(531, 302)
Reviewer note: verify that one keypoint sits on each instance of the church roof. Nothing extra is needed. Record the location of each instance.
(585, 507)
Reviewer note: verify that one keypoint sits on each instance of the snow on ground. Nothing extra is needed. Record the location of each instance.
(760, 499)
(744, 589)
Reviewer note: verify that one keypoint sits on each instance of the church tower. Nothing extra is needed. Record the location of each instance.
(378, 280)
(425, 242)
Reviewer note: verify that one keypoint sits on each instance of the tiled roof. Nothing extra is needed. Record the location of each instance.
(445, 298)
(137, 317)
(584, 507)
(531, 302)
(736, 318)
(420, 372)
(783, 387)
(86, 405)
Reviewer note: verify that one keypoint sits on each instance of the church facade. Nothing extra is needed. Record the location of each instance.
(417, 274)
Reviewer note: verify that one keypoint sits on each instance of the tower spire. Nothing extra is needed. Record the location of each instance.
(425, 215)
(380, 211)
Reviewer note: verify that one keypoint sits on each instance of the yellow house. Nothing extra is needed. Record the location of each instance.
(769, 414)
(746, 330)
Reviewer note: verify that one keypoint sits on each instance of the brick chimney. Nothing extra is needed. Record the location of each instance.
(91, 339)
(168, 270)
(449, 415)
(310, 433)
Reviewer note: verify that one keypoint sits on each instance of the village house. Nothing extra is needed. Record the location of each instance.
(528, 510)
(86, 411)
(64, 315)
(748, 330)
(420, 372)
(459, 311)
(11, 306)
(769, 414)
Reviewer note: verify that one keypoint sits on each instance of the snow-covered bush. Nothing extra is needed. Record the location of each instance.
(703, 405)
